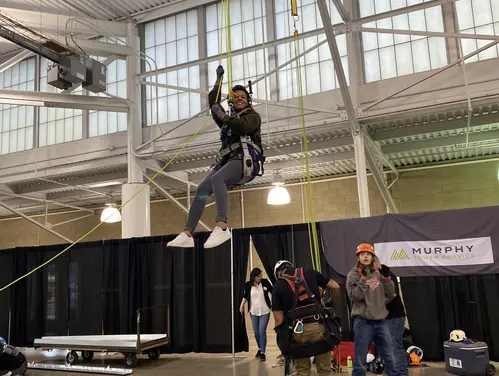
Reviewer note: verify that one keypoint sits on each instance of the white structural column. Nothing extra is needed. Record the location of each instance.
(360, 159)
(136, 216)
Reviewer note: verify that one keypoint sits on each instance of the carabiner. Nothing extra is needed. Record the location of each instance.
(299, 328)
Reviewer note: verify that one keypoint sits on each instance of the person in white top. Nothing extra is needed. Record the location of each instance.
(257, 294)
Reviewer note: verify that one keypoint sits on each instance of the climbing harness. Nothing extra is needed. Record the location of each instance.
(311, 312)
(252, 158)
(309, 204)
(251, 154)
(297, 316)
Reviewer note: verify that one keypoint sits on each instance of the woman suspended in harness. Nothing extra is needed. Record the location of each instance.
(239, 160)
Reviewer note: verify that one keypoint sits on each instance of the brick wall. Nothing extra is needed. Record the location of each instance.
(423, 190)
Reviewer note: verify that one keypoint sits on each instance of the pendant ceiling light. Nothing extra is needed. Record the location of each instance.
(110, 214)
(278, 195)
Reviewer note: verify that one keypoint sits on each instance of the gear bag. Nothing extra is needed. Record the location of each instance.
(313, 312)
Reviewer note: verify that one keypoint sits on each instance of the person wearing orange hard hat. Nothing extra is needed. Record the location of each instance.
(370, 288)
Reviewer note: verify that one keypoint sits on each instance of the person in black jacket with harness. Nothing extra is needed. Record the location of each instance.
(239, 161)
(296, 305)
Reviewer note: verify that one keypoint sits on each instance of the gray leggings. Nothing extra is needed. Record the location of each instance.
(215, 183)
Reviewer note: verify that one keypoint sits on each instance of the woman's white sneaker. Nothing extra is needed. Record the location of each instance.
(218, 237)
(182, 241)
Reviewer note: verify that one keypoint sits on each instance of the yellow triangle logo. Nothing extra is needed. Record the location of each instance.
(399, 255)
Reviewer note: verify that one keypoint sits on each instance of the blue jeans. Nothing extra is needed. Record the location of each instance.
(365, 332)
(260, 328)
(396, 327)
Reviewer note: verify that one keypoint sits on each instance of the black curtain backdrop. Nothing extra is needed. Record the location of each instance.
(292, 242)
(126, 283)
(40, 301)
(6, 275)
(202, 296)
(241, 255)
(469, 303)
(96, 288)
(85, 268)
(273, 244)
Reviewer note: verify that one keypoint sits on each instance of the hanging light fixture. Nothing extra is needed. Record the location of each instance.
(110, 214)
(278, 195)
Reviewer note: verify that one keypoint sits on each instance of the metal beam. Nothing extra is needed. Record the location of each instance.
(338, 66)
(41, 99)
(174, 200)
(429, 33)
(111, 59)
(15, 59)
(456, 141)
(71, 220)
(433, 74)
(376, 149)
(84, 196)
(164, 10)
(53, 232)
(380, 179)
(432, 126)
(314, 162)
(340, 28)
(56, 23)
(31, 198)
(42, 6)
(245, 50)
(399, 11)
(154, 166)
(60, 184)
(255, 100)
(270, 152)
(344, 14)
(102, 49)
(361, 172)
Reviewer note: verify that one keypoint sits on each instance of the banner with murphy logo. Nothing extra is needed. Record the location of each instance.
(450, 242)
(453, 252)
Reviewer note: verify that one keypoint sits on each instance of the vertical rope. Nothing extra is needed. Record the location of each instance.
(312, 226)
(229, 47)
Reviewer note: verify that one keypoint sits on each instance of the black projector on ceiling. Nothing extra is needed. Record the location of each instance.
(71, 72)
(78, 70)
(96, 76)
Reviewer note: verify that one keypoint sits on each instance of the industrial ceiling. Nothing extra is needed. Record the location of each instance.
(421, 136)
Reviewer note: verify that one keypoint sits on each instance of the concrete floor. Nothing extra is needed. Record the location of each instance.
(192, 365)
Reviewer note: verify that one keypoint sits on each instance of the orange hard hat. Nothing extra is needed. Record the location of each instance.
(365, 247)
(415, 360)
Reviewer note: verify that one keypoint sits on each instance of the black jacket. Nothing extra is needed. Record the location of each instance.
(267, 289)
(395, 307)
(247, 123)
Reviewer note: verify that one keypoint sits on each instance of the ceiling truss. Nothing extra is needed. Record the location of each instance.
(388, 141)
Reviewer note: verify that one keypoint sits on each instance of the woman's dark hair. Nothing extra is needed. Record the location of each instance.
(255, 273)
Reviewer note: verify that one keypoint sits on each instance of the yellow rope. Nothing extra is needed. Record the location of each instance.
(122, 205)
(229, 74)
(309, 204)
(229, 47)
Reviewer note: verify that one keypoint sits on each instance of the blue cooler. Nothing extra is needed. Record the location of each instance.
(467, 358)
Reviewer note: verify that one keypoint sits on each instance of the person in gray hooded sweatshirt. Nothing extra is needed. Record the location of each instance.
(369, 289)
